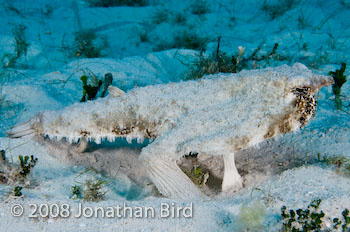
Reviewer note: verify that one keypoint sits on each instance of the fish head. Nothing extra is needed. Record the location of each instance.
(303, 86)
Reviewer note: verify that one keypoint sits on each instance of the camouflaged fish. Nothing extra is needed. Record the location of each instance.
(217, 115)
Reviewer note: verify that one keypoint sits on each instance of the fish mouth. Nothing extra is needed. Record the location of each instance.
(305, 103)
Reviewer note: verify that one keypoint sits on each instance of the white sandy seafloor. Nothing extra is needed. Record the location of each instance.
(282, 171)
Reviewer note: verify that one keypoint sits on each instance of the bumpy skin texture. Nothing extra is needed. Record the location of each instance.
(217, 115)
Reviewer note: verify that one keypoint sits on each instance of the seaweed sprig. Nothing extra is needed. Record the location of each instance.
(26, 167)
(91, 90)
(339, 80)
(309, 219)
(94, 190)
(16, 174)
(9, 60)
(221, 62)
(76, 192)
(17, 191)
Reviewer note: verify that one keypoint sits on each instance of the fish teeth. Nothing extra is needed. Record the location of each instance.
(111, 139)
(129, 139)
(98, 140)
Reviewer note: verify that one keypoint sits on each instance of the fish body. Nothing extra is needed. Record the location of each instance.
(217, 115)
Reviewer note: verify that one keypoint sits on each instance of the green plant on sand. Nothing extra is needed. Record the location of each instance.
(311, 219)
(14, 174)
(9, 60)
(93, 190)
(339, 80)
(17, 191)
(340, 162)
(90, 90)
(195, 172)
(184, 39)
(86, 44)
(76, 192)
(220, 62)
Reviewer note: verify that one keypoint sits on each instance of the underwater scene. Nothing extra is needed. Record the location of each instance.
(175, 115)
